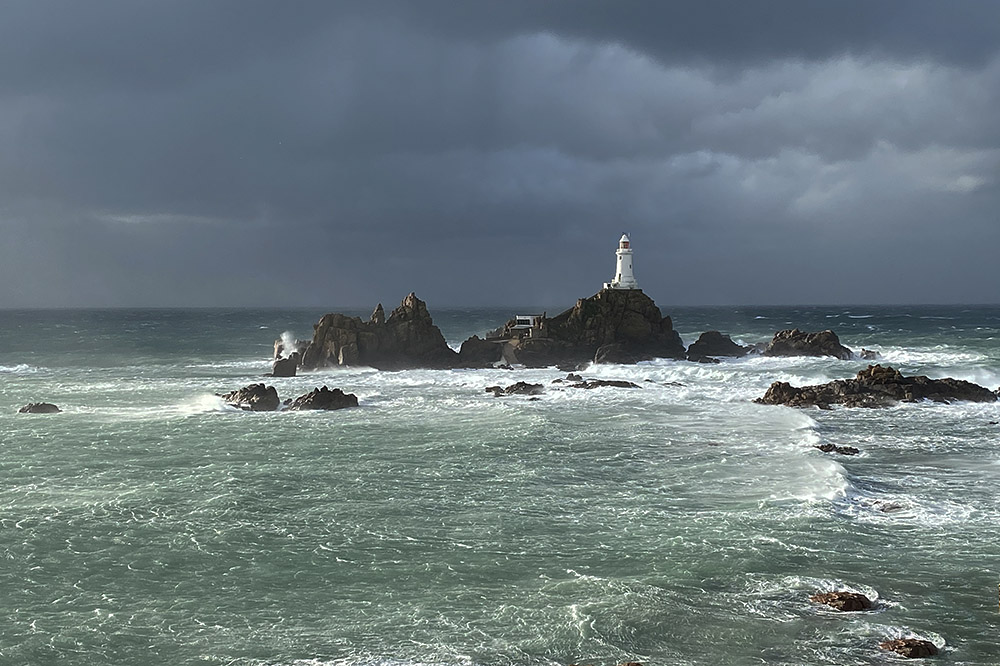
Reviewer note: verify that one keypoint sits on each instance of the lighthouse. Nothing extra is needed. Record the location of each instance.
(623, 267)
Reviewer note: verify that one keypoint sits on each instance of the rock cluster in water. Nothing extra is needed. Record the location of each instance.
(876, 386)
(261, 398)
(713, 344)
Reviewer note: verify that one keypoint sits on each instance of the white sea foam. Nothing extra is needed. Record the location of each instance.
(19, 369)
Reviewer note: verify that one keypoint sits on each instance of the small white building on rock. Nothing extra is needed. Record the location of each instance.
(624, 279)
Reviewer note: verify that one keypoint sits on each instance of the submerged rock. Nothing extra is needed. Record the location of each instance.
(876, 386)
(869, 355)
(843, 601)
(520, 388)
(254, 398)
(323, 398)
(39, 408)
(713, 343)
(911, 648)
(598, 383)
(794, 342)
(842, 450)
(407, 339)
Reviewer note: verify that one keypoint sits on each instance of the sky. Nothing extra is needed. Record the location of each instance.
(320, 153)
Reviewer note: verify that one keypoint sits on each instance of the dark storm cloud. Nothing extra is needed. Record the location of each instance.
(341, 153)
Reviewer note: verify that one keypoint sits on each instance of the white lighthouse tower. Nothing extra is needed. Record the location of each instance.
(623, 267)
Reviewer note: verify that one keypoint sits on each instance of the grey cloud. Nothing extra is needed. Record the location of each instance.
(203, 153)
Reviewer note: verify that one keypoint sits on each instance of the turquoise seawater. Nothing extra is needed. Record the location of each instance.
(677, 523)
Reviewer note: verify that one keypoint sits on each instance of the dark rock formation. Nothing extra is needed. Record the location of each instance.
(254, 398)
(843, 601)
(876, 386)
(39, 408)
(797, 343)
(477, 353)
(911, 648)
(842, 450)
(616, 352)
(869, 355)
(407, 339)
(378, 315)
(598, 383)
(286, 367)
(520, 388)
(323, 398)
(625, 317)
(711, 344)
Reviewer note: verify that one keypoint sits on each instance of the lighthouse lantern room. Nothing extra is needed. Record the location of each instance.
(624, 279)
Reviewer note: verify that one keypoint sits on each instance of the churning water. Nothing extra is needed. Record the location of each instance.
(677, 523)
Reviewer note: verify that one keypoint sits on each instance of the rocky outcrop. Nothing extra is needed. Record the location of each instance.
(407, 339)
(794, 342)
(39, 408)
(876, 386)
(711, 344)
(478, 353)
(323, 398)
(254, 398)
(869, 355)
(520, 388)
(843, 601)
(628, 319)
(911, 648)
(286, 367)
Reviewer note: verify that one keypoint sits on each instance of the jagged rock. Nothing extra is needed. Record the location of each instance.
(842, 450)
(286, 367)
(573, 378)
(713, 343)
(520, 388)
(323, 398)
(869, 355)
(911, 648)
(39, 408)
(407, 339)
(598, 383)
(378, 315)
(254, 398)
(843, 601)
(798, 343)
(477, 353)
(876, 386)
(616, 352)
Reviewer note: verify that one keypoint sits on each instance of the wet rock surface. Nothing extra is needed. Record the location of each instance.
(254, 398)
(39, 408)
(876, 386)
(600, 383)
(286, 367)
(520, 388)
(843, 601)
(323, 398)
(793, 342)
(711, 344)
(911, 648)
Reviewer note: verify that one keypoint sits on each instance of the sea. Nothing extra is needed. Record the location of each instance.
(438, 525)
